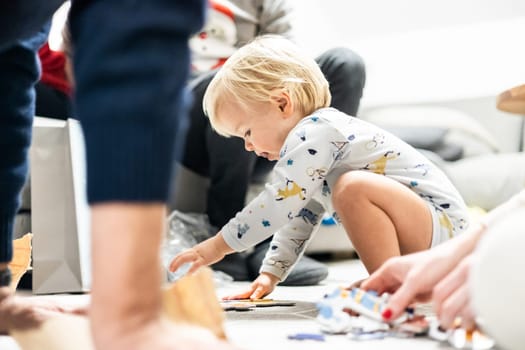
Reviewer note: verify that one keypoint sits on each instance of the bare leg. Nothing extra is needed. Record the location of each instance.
(126, 242)
(126, 295)
(382, 217)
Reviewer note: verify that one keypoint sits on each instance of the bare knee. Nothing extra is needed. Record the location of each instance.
(350, 190)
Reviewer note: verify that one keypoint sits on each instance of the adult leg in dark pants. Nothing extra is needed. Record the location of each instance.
(25, 25)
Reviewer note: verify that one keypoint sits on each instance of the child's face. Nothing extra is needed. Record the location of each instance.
(264, 126)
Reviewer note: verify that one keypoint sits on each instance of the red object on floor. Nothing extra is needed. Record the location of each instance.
(53, 69)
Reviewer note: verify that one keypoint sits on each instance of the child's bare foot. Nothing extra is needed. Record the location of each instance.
(24, 313)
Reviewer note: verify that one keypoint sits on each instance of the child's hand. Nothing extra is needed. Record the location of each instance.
(188, 256)
(261, 287)
(205, 253)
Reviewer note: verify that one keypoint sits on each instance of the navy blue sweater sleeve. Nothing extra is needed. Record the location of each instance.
(131, 65)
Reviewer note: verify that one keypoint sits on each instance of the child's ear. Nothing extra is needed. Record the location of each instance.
(283, 102)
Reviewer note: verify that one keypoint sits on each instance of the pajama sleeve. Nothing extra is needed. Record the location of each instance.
(310, 151)
(290, 242)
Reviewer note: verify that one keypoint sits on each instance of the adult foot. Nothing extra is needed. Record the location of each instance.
(24, 313)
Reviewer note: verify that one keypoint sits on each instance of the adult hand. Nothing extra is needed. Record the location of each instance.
(451, 297)
(410, 278)
(263, 285)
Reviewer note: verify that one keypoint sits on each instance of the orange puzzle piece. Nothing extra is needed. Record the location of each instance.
(21, 258)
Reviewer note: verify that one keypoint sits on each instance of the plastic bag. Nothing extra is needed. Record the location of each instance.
(184, 231)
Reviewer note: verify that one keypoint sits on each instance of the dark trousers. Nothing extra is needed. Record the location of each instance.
(25, 26)
(52, 103)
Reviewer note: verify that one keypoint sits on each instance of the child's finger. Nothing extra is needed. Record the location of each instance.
(243, 295)
(194, 267)
(259, 292)
(181, 259)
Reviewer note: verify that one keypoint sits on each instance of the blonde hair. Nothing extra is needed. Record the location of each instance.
(263, 68)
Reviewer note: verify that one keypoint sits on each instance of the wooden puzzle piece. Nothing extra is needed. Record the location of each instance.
(234, 305)
(192, 299)
(21, 258)
(248, 304)
(512, 100)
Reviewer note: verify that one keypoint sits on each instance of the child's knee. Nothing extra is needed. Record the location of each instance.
(350, 189)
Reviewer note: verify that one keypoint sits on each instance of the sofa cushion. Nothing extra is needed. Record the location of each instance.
(488, 180)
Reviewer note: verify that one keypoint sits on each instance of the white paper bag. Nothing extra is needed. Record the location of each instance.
(59, 210)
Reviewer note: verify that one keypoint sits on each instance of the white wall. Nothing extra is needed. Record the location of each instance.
(420, 51)
(356, 19)
(417, 49)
